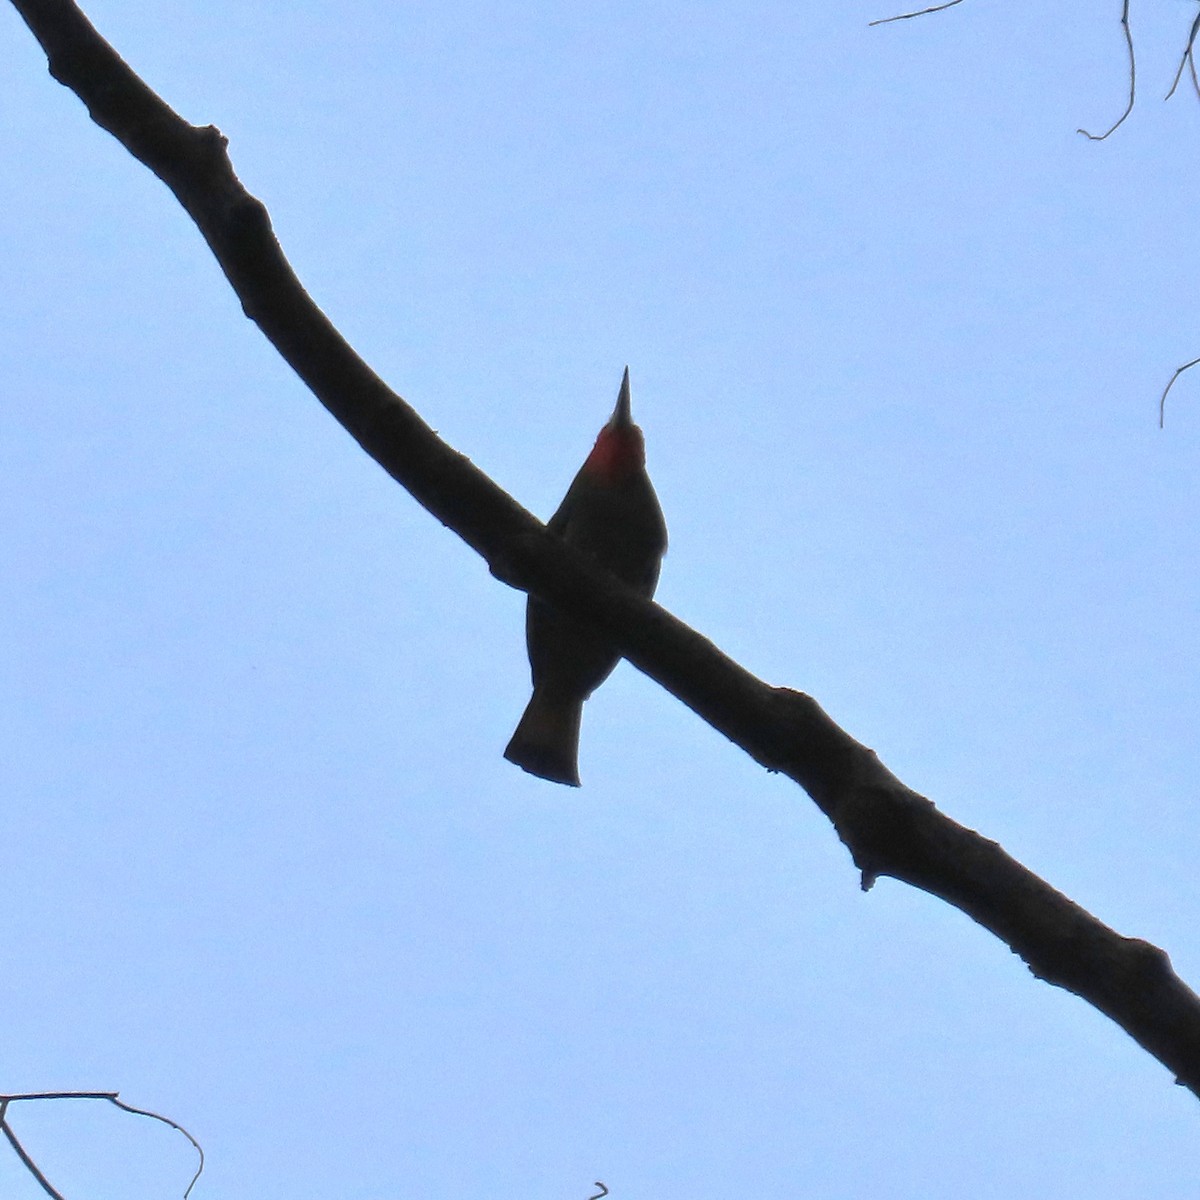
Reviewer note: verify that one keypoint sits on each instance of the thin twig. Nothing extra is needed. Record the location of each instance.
(1162, 403)
(1187, 59)
(1099, 137)
(924, 12)
(112, 1098)
(142, 1112)
(30, 1165)
(601, 1193)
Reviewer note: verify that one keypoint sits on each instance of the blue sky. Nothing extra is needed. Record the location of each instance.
(896, 336)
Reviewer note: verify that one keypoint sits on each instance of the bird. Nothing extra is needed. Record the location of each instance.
(611, 513)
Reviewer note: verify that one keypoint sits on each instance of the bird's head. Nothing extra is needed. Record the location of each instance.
(620, 449)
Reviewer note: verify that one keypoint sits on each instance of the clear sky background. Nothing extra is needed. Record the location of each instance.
(896, 334)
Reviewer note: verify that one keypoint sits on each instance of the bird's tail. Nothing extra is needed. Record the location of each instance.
(546, 741)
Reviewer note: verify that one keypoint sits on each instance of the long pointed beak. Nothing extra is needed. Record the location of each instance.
(622, 418)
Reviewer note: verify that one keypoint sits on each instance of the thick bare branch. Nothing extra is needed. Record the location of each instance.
(889, 829)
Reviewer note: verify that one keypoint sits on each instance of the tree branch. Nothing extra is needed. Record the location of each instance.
(889, 829)
(908, 16)
(112, 1098)
(1129, 50)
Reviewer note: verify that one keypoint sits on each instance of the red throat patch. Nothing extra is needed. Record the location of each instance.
(617, 453)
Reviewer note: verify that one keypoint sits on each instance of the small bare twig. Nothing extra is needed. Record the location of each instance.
(1162, 403)
(1188, 60)
(908, 16)
(112, 1098)
(142, 1112)
(601, 1193)
(23, 1154)
(1099, 137)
